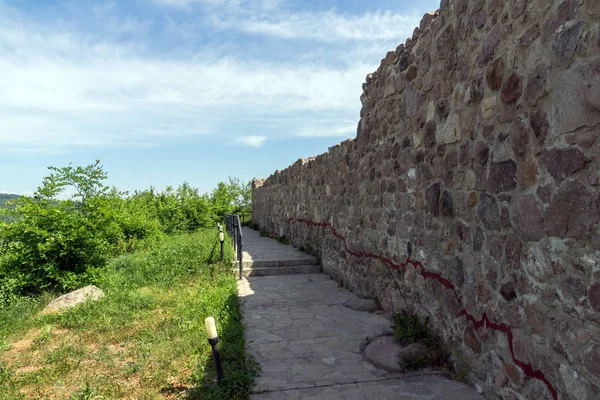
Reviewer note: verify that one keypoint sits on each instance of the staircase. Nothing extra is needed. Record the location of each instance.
(262, 256)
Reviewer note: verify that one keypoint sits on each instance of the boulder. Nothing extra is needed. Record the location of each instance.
(388, 352)
(72, 299)
(384, 352)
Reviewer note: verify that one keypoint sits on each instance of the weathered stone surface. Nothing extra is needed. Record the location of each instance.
(565, 43)
(488, 212)
(432, 197)
(384, 352)
(528, 217)
(489, 47)
(545, 193)
(73, 299)
(592, 7)
(561, 163)
(535, 320)
(571, 108)
(471, 340)
(495, 74)
(537, 84)
(442, 108)
(488, 107)
(539, 124)
(573, 288)
(575, 386)
(412, 101)
(482, 152)
(451, 131)
(594, 296)
(530, 36)
(572, 212)
(512, 88)
(411, 73)
(368, 305)
(426, 20)
(590, 359)
(447, 204)
(446, 42)
(480, 19)
(502, 176)
(519, 137)
(508, 291)
(410, 352)
(528, 173)
(429, 134)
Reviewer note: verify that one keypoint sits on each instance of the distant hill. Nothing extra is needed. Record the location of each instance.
(4, 197)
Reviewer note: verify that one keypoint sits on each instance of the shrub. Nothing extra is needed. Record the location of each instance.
(56, 244)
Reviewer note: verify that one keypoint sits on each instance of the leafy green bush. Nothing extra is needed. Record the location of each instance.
(48, 243)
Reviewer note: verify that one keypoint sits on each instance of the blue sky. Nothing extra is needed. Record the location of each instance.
(167, 91)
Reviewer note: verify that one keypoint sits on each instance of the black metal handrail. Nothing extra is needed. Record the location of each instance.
(234, 230)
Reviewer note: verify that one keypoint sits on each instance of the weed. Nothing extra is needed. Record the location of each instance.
(283, 239)
(412, 329)
(86, 393)
(46, 335)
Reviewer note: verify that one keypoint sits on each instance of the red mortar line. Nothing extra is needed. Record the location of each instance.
(484, 322)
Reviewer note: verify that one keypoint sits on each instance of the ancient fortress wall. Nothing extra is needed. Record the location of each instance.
(471, 192)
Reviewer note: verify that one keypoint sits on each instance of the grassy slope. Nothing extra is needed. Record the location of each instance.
(145, 339)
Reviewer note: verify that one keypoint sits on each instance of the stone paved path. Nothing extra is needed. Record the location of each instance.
(262, 256)
(308, 344)
(258, 249)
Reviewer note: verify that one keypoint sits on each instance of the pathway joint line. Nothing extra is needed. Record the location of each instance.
(400, 377)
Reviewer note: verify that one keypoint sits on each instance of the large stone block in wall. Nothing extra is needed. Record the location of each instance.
(451, 131)
(575, 98)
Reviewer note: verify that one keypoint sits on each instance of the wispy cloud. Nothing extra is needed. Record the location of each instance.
(252, 141)
(329, 128)
(323, 26)
(65, 88)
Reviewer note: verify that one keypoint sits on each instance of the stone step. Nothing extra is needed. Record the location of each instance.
(279, 263)
(280, 270)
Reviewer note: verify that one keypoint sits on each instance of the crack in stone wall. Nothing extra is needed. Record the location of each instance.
(476, 162)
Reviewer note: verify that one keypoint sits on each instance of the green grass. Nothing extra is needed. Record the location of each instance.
(145, 339)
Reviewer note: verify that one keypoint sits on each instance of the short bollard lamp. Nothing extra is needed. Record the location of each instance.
(221, 239)
(213, 339)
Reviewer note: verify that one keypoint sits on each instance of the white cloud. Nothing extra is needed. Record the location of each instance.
(329, 129)
(105, 96)
(275, 18)
(63, 89)
(252, 141)
(324, 26)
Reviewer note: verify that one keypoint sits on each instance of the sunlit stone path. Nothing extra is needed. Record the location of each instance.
(308, 344)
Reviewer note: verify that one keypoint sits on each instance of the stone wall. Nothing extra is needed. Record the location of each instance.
(471, 192)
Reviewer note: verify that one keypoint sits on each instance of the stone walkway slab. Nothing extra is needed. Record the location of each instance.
(263, 252)
(308, 345)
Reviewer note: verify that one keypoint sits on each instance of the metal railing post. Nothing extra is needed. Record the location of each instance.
(240, 244)
(234, 230)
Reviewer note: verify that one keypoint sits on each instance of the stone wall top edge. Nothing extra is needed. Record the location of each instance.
(307, 162)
